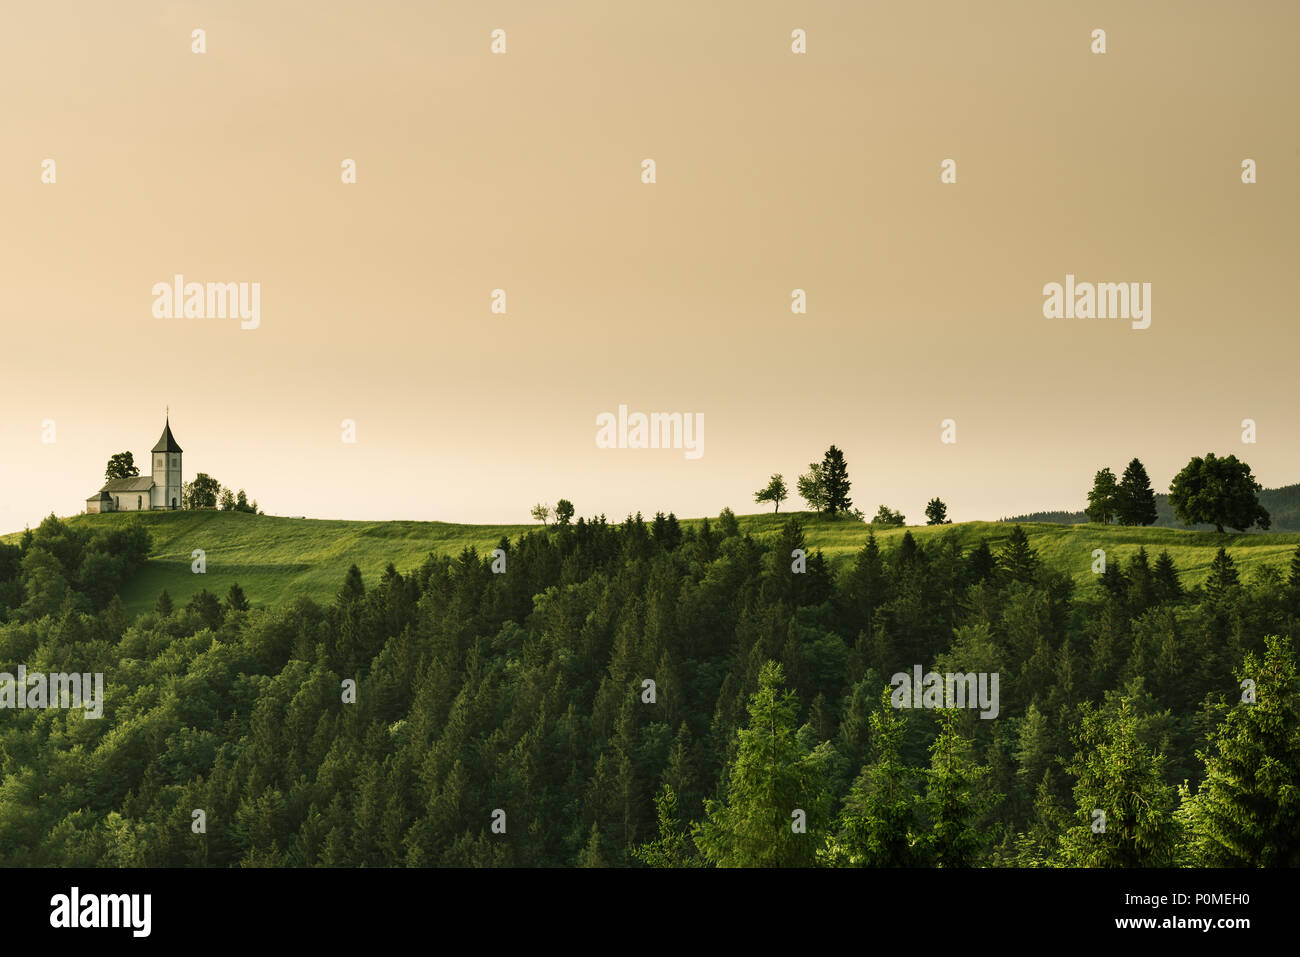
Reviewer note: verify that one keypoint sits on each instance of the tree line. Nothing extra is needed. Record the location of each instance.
(825, 488)
(766, 736)
(1213, 490)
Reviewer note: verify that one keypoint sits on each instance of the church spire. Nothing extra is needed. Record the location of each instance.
(167, 443)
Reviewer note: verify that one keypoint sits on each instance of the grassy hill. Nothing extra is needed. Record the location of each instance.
(275, 558)
(1283, 506)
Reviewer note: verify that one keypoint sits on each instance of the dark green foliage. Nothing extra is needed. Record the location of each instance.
(956, 797)
(121, 465)
(1018, 560)
(526, 691)
(877, 827)
(1247, 811)
(774, 779)
(1218, 491)
(1222, 578)
(1135, 502)
(936, 513)
(563, 512)
(835, 480)
(1103, 499)
(1167, 586)
(1124, 806)
(203, 492)
(235, 600)
(888, 518)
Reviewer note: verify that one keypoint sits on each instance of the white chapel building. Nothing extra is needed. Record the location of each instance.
(160, 490)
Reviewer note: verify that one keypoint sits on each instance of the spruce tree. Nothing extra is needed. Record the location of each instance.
(1141, 583)
(1247, 811)
(956, 797)
(1135, 503)
(981, 565)
(235, 599)
(1293, 585)
(876, 827)
(835, 480)
(1167, 585)
(1222, 578)
(775, 805)
(1017, 560)
(1116, 775)
(673, 846)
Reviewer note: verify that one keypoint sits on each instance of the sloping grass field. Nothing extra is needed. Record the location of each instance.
(274, 559)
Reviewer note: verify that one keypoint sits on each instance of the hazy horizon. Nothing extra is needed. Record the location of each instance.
(775, 171)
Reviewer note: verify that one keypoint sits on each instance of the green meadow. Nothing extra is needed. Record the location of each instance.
(273, 558)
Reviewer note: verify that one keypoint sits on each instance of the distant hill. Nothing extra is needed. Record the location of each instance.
(274, 559)
(1283, 506)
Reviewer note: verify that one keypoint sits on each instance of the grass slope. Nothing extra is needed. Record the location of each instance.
(274, 559)
(1283, 506)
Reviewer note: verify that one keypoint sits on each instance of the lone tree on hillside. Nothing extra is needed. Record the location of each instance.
(121, 465)
(563, 512)
(1103, 498)
(835, 477)
(936, 513)
(1218, 492)
(1136, 502)
(540, 512)
(775, 492)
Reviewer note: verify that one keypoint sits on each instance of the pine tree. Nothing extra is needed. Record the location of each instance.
(164, 604)
(1247, 811)
(673, 846)
(235, 600)
(866, 586)
(1293, 585)
(1039, 845)
(955, 797)
(1135, 502)
(590, 856)
(835, 480)
(1168, 587)
(1119, 777)
(876, 827)
(1017, 560)
(772, 778)
(1222, 578)
(981, 565)
(1141, 583)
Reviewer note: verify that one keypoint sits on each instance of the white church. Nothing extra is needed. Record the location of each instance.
(161, 490)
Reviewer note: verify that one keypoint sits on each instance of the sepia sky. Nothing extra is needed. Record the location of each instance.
(522, 171)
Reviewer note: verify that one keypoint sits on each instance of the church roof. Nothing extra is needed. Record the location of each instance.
(166, 443)
(100, 497)
(134, 483)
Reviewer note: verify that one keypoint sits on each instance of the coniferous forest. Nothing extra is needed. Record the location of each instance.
(655, 694)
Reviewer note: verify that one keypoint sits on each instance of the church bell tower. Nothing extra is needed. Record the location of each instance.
(166, 471)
